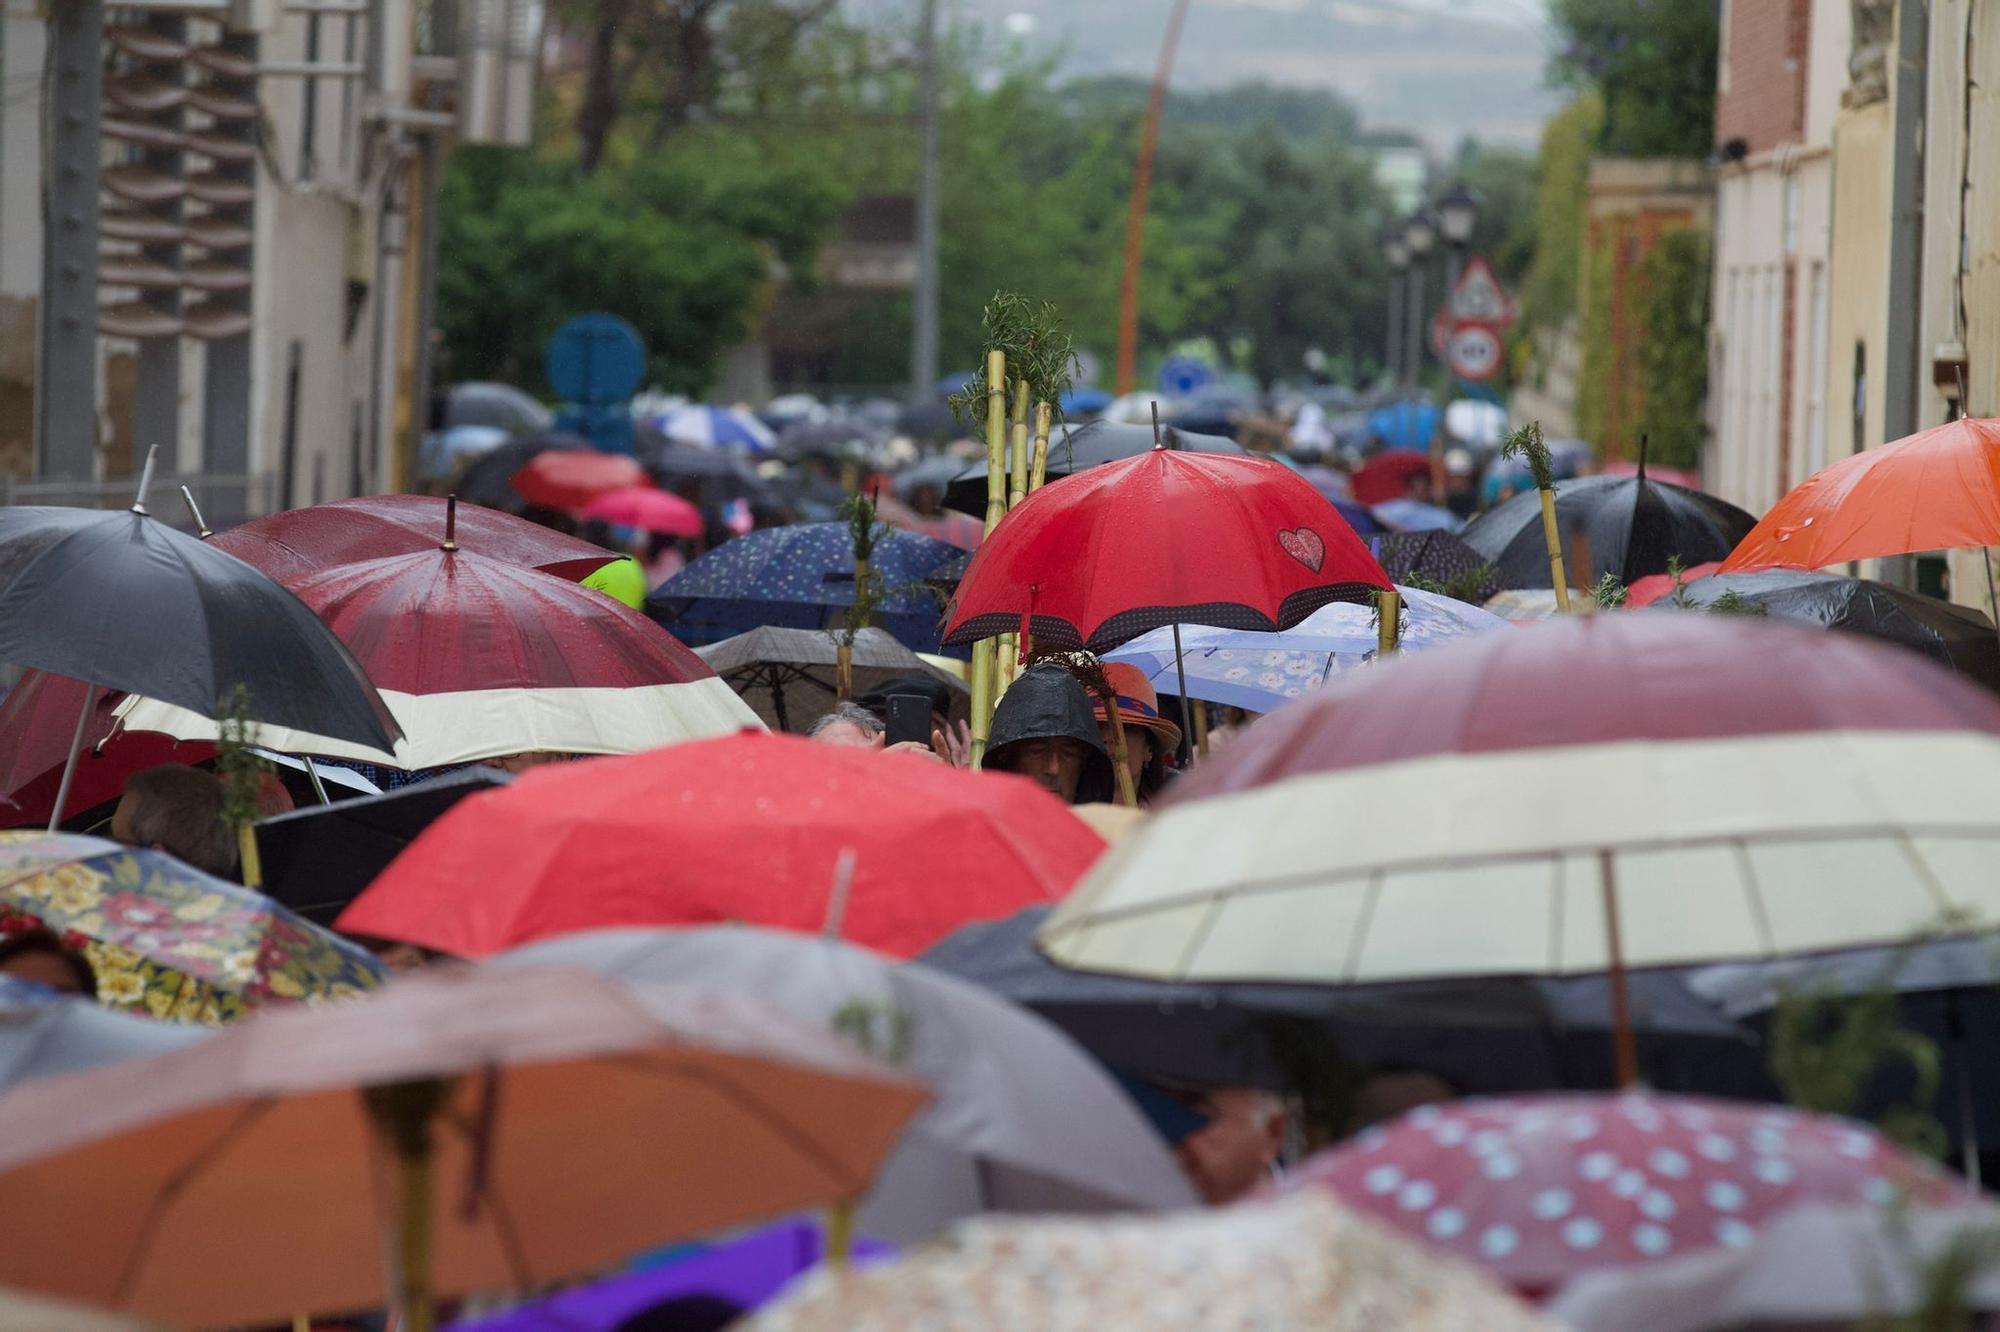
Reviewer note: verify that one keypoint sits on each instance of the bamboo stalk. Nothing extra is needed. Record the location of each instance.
(1552, 536)
(985, 655)
(1389, 611)
(418, 1316)
(1038, 467)
(252, 865)
(1197, 712)
(1121, 766)
(1017, 490)
(840, 1234)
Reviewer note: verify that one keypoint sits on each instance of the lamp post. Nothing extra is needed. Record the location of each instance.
(1419, 238)
(1457, 217)
(1398, 256)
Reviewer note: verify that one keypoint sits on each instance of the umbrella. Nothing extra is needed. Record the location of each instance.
(721, 473)
(295, 543)
(1815, 1265)
(43, 1033)
(1634, 527)
(125, 602)
(443, 452)
(1439, 557)
(1540, 1189)
(1302, 1264)
(1235, 542)
(1655, 587)
(1485, 1036)
(318, 859)
(1330, 482)
(543, 1123)
(1409, 515)
(1954, 636)
(1078, 1144)
(750, 828)
(648, 509)
(1262, 671)
(1938, 489)
(937, 472)
(1679, 476)
(786, 675)
(482, 659)
(485, 482)
(37, 726)
(1080, 448)
(744, 1273)
(168, 940)
(1531, 605)
(1387, 476)
(802, 577)
(571, 478)
(947, 525)
(1359, 517)
(832, 438)
(700, 426)
(501, 406)
(1406, 425)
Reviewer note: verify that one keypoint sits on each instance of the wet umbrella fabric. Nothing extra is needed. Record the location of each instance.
(1079, 448)
(43, 1033)
(1387, 476)
(498, 406)
(572, 478)
(1078, 1144)
(297, 543)
(1957, 637)
(1634, 527)
(647, 509)
(123, 601)
(700, 426)
(802, 577)
(787, 675)
(486, 481)
(1439, 557)
(37, 726)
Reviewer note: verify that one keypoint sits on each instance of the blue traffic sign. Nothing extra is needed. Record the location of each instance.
(595, 360)
(1185, 376)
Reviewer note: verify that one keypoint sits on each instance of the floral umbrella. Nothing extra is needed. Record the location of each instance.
(166, 939)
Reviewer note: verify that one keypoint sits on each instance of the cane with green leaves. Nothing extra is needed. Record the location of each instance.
(1527, 444)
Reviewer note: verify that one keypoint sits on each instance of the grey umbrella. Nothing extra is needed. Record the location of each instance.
(44, 1033)
(1020, 1119)
(787, 675)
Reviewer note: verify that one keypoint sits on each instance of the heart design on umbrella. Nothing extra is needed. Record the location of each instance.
(1304, 545)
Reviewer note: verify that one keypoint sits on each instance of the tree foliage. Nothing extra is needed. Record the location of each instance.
(1653, 62)
(1673, 299)
(1562, 180)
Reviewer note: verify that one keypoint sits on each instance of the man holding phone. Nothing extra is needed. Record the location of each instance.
(916, 713)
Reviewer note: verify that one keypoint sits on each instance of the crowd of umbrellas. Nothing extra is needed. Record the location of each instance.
(532, 966)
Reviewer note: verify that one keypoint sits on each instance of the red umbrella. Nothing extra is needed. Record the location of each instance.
(298, 542)
(572, 478)
(750, 828)
(1938, 489)
(648, 509)
(1540, 1189)
(479, 658)
(1598, 679)
(1387, 476)
(37, 720)
(1657, 587)
(1165, 537)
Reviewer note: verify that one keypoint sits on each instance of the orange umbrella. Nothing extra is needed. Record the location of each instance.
(542, 1123)
(1938, 489)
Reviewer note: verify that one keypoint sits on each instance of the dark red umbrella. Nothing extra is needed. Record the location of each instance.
(1103, 555)
(37, 721)
(1596, 680)
(1387, 476)
(479, 658)
(1539, 1189)
(299, 542)
(751, 829)
(572, 478)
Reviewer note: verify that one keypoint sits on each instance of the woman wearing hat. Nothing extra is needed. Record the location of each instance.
(1149, 737)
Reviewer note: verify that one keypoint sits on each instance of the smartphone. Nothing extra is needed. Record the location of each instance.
(909, 719)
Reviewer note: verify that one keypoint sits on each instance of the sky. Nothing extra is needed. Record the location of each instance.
(1442, 68)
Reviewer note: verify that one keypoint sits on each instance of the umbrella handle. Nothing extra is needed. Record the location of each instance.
(839, 1236)
(1623, 1046)
(75, 752)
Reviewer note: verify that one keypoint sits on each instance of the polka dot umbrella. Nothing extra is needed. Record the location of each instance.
(1543, 1188)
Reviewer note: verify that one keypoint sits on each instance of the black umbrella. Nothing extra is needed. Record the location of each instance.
(500, 406)
(485, 481)
(1633, 527)
(1073, 448)
(835, 437)
(121, 600)
(722, 473)
(1437, 557)
(1484, 1036)
(1957, 636)
(318, 859)
(933, 420)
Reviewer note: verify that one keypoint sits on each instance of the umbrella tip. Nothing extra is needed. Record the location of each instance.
(1158, 443)
(194, 511)
(1642, 456)
(146, 479)
(450, 523)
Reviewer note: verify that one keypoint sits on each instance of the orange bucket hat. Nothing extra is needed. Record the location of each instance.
(1138, 703)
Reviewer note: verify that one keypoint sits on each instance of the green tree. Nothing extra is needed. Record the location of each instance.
(1562, 180)
(1505, 180)
(1653, 61)
(1673, 346)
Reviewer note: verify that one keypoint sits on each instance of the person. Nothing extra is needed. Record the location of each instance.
(1044, 729)
(1149, 737)
(850, 726)
(951, 742)
(39, 955)
(1227, 1140)
(177, 809)
(516, 764)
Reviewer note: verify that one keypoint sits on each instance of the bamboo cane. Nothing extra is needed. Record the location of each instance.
(1197, 712)
(984, 653)
(1552, 536)
(840, 1234)
(252, 864)
(1010, 649)
(1038, 468)
(1121, 764)
(1389, 608)
(403, 1112)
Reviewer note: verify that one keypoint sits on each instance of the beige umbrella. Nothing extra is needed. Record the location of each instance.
(1302, 1264)
(497, 1128)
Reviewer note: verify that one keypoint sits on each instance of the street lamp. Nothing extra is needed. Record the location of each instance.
(1419, 237)
(1398, 255)
(1457, 215)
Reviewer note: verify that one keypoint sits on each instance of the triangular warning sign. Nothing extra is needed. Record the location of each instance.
(1479, 297)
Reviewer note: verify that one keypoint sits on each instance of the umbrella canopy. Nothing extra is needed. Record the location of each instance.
(1303, 1264)
(1162, 538)
(1439, 557)
(37, 725)
(1077, 1145)
(121, 600)
(700, 426)
(1540, 1189)
(1955, 636)
(648, 509)
(572, 478)
(787, 675)
(296, 543)
(318, 859)
(947, 525)
(1079, 448)
(1766, 817)
(567, 1121)
(501, 406)
(1938, 489)
(43, 1033)
(1387, 476)
(168, 940)
(1262, 671)
(834, 437)
(485, 482)
(802, 577)
(1634, 527)
(482, 659)
(750, 828)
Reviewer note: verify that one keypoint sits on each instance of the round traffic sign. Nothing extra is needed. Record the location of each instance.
(1474, 352)
(596, 359)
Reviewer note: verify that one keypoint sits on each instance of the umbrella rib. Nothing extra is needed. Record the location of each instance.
(518, 1265)
(164, 1197)
(1358, 940)
(1749, 872)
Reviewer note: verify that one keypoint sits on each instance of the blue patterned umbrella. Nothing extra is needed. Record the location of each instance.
(802, 577)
